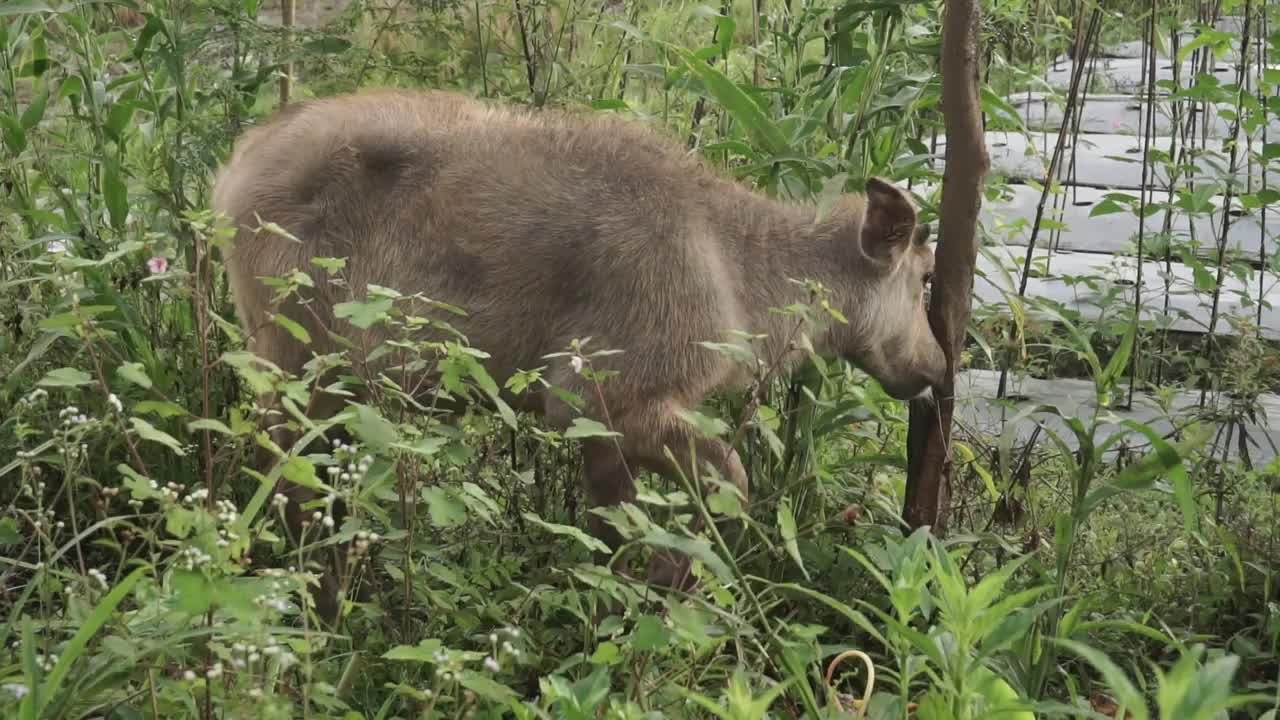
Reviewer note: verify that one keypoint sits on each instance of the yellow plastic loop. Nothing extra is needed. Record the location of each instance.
(858, 705)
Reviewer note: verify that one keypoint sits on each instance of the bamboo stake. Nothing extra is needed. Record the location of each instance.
(287, 8)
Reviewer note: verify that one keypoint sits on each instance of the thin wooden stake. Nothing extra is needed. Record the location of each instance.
(1148, 173)
(287, 8)
(929, 429)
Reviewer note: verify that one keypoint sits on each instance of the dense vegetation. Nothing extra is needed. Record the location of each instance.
(143, 572)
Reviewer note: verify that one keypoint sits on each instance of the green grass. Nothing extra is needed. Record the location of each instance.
(143, 570)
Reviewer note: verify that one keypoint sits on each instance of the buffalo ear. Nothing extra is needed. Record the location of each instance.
(889, 224)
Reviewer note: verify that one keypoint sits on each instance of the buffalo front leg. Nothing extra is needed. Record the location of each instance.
(299, 521)
(691, 454)
(670, 568)
(608, 483)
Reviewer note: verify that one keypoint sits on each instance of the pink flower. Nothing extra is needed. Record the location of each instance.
(157, 265)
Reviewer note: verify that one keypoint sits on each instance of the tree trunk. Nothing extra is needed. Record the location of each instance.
(929, 430)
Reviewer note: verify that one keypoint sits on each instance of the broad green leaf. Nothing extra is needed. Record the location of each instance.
(1170, 458)
(209, 424)
(9, 534)
(147, 431)
(998, 107)
(300, 471)
(606, 653)
(373, 428)
(593, 544)
(135, 373)
(1120, 360)
(587, 428)
(1212, 39)
(424, 652)
(297, 331)
(706, 425)
(65, 377)
(162, 408)
(694, 548)
(725, 27)
(725, 501)
(118, 119)
(738, 103)
(115, 192)
(35, 111)
(487, 688)
(787, 526)
(446, 510)
(363, 315)
(15, 138)
(330, 265)
(649, 634)
(193, 590)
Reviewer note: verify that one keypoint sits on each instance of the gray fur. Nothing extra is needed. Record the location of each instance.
(548, 226)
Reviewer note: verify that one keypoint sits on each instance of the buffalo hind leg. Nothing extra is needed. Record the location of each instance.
(610, 466)
(692, 453)
(299, 520)
(608, 483)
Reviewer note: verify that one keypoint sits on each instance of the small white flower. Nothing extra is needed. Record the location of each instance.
(491, 665)
(328, 521)
(576, 362)
(115, 403)
(17, 689)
